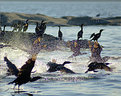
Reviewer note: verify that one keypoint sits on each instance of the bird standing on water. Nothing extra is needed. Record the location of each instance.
(95, 37)
(80, 33)
(60, 34)
(25, 73)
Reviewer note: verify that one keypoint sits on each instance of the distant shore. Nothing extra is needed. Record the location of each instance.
(9, 18)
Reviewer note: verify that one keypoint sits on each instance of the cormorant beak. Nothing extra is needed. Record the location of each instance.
(86, 71)
(102, 30)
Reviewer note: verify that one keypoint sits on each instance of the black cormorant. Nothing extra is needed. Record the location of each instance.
(60, 34)
(24, 74)
(95, 37)
(15, 27)
(3, 31)
(94, 65)
(20, 26)
(37, 29)
(53, 67)
(25, 27)
(80, 33)
(42, 28)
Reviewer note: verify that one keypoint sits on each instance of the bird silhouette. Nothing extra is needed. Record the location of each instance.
(24, 75)
(3, 31)
(95, 37)
(80, 33)
(59, 67)
(25, 27)
(94, 65)
(60, 34)
(42, 28)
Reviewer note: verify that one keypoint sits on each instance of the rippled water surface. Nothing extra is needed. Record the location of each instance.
(56, 84)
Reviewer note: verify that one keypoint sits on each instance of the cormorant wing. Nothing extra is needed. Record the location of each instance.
(52, 66)
(64, 69)
(12, 68)
(26, 69)
(93, 34)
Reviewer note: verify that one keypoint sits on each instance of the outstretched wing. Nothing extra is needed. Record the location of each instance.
(26, 69)
(12, 68)
(52, 66)
(93, 34)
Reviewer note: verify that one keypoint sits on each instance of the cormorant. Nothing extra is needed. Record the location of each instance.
(60, 34)
(80, 33)
(75, 48)
(37, 30)
(59, 67)
(24, 74)
(95, 37)
(15, 26)
(42, 28)
(25, 27)
(11, 67)
(96, 50)
(94, 65)
(64, 70)
(3, 31)
(20, 26)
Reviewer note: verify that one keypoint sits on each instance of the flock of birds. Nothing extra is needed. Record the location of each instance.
(23, 75)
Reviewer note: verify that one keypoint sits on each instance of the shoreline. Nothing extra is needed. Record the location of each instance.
(9, 18)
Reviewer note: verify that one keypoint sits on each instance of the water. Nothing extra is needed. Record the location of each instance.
(59, 9)
(56, 84)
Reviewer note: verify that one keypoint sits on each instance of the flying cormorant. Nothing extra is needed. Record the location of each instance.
(24, 74)
(94, 65)
(53, 67)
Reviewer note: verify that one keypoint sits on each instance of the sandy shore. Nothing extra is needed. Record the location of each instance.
(9, 18)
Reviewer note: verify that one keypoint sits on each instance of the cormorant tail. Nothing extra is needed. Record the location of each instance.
(35, 78)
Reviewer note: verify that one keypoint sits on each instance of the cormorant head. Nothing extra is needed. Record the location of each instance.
(27, 20)
(59, 26)
(66, 62)
(42, 21)
(101, 30)
(81, 25)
